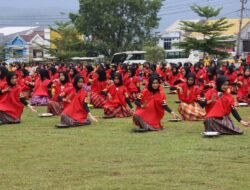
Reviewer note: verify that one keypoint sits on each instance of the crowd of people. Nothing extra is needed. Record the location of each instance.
(137, 91)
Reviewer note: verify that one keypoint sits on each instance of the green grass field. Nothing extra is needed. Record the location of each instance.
(107, 155)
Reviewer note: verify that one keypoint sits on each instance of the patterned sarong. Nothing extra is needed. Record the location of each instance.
(191, 112)
(222, 125)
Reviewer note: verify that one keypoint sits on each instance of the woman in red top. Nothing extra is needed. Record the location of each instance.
(188, 94)
(115, 105)
(3, 73)
(89, 75)
(132, 84)
(151, 104)
(97, 96)
(11, 101)
(243, 82)
(40, 96)
(24, 80)
(53, 73)
(219, 104)
(55, 106)
(72, 73)
(231, 74)
(175, 76)
(77, 112)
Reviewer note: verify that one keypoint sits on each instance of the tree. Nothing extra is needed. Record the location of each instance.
(212, 41)
(154, 54)
(67, 41)
(117, 25)
(2, 53)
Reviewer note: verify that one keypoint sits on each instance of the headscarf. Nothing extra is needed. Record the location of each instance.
(4, 72)
(119, 76)
(9, 77)
(174, 66)
(25, 72)
(219, 82)
(44, 74)
(191, 75)
(246, 68)
(66, 77)
(76, 80)
(101, 74)
(150, 83)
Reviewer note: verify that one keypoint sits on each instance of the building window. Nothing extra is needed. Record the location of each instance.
(246, 46)
(37, 53)
(167, 43)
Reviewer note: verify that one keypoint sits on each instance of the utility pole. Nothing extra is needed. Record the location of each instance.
(243, 2)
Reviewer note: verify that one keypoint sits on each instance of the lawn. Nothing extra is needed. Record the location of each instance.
(107, 155)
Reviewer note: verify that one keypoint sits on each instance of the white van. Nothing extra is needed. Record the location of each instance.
(129, 57)
(178, 55)
(171, 56)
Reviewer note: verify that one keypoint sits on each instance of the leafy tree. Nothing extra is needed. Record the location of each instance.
(2, 53)
(117, 25)
(67, 41)
(212, 41)
(154, 54)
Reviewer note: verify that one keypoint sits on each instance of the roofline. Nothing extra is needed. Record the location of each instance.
(17, 36)
(35, 37)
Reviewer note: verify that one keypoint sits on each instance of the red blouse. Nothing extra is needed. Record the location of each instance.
(244, 88)
(59, 88)
(98, 86)
(75, 109)
(172, 78)
(153, 112)
(22, 82)
(189, 94)
(118, 96)
(131, 84)
(40, 88)
(221, 107)
(10, 101)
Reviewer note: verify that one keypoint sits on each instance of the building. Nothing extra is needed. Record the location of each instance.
(25, 44)
(174, 34)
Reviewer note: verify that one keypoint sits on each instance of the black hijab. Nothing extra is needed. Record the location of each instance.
(9, 77)
(119, 76)
(53, 70)
(212, 72)
(44, 74)
(246, 68)
(4, 72)
(193, 76)
(25, 72)
(176, 69)
(187, 71)
(101, 74)
(132, 71)
(150, 83)
(66, 77)
(219, 82)
(76, 80)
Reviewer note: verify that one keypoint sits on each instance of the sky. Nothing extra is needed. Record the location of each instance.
(44, 12)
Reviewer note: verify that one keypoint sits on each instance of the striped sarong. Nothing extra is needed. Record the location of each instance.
(55, 108)
(142, 124)
(65, 119)
(222, 125)
(119, 112)
(7, 119)
(97, 100)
